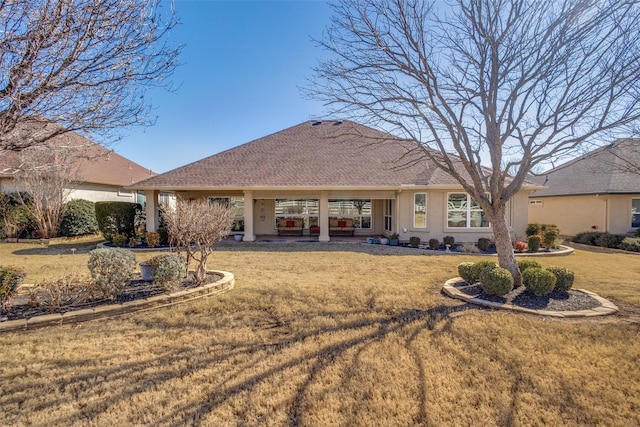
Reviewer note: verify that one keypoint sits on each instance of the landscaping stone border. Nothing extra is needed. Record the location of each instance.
(606, 307)
(226, 283)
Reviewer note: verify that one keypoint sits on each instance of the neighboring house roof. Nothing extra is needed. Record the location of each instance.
(95, 163)
(613, 169)
(327, 154)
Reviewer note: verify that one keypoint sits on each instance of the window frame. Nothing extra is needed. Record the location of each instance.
(466, 213)
(415, 211)
(388, 215)
(358, 218)
(636, 213)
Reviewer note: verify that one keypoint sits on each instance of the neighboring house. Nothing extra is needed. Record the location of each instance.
(102, 174)
(598, 191)
(332, 175)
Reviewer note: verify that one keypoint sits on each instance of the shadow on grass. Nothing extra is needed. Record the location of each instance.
(286, 356)
(59, 247)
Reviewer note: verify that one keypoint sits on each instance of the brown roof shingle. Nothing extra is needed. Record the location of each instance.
(312, 154)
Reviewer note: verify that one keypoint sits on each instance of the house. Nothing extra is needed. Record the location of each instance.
(102, 175)
(325, 177)
(598, 191)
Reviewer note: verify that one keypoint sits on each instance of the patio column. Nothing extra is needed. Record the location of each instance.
(324, 217)
(151, 210)
(248, 217)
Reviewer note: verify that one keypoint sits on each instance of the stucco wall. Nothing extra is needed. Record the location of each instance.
(92, 192)
(577, 214)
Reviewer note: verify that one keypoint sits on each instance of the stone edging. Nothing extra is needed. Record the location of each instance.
(607, 306)
(165, 300)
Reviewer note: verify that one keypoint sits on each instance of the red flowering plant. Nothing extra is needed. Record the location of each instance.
(520, 246)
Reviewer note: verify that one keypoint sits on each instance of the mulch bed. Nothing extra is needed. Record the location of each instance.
(18, 307)
(555, 301)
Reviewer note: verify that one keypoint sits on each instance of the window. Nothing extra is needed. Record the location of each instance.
(535, 202)
(305, 209)
(359, 210)
(420, 210)
(635, 213)
(388, 215)
(464, 212)
(237, 203)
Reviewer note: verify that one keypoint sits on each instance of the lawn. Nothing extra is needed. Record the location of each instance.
(334, 334)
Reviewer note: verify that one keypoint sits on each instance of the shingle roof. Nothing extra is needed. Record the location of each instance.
(312, 154)
(605, 170)
(96, 164)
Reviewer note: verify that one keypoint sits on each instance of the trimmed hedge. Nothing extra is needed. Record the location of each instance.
(564, 278)
(168, 270)
(10, 279)
(523, 264)
(631, 244)
(111, 269)
(117, 218)
(496, 281)
(467, 272)
(78, 218)
(608, 240)
(538, 281)
(533, 243)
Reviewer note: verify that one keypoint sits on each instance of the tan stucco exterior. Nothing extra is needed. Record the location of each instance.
(577, 214)
(263, 211)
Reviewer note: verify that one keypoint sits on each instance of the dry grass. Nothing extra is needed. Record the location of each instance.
(333, 335)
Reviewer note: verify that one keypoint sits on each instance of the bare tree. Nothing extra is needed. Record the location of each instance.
(84, 65)
(195, 226)
(512, 83)
(46, 176)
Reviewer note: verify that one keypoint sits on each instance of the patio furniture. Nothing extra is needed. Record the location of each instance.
(341, 226)
(290, 226)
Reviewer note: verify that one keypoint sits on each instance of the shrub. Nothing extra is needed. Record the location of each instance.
(120, 239)
(520, 246)
(434, 244)
(117, 218)
(523, 264)
(479, 266)
(64, 291)
(638, 232)
(538, 281)
(449, 240)
(533, 243)
(483, 244)
(152, 238)
(414, 241)
(466, 271)
(468, 247)
(564, 278)
(78, 218)
(532, 229)
(111, 269)
(608, 240)
(164, 236)
(631, 244)
(587, 238)
(496, 281)
(10, 279)
(550, 237)
(168, 270)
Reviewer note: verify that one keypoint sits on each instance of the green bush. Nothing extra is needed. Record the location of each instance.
(550, 237)
(10, 279)
(608, 240)
(111, 269)
(483, 244)
(564, 278)
(152, 238)
(78, 218)
(631, 244)
(496, 281)
(533, 243)
(587, 238)
(538, 281)
(479, 266)
(117, 218)
(168, 270)
(449, 240)
(434, 244)
(164, 236)
(523, 264)
(638, 232)
(532, 229)
(414, 241)
(119, 239)
(466, 271)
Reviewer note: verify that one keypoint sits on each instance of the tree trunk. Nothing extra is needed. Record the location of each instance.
(504, 247)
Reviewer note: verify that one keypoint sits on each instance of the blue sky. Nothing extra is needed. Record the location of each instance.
(242, 65)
